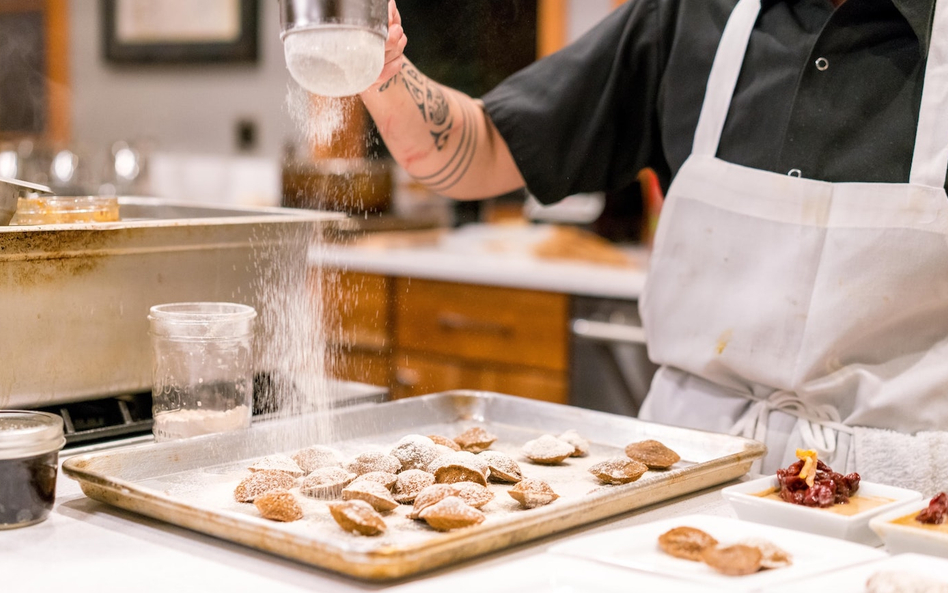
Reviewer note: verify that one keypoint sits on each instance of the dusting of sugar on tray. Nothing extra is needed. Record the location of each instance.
(212, 489)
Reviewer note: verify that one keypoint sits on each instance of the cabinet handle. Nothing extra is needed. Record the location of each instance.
(600, 331)
(458, 322)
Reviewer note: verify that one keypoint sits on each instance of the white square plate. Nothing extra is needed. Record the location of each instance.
(900, 539)
(547, 573)
(637, 548)
(853, 579)
(855, 528)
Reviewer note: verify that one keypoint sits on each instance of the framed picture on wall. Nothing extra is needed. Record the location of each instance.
(179, 31)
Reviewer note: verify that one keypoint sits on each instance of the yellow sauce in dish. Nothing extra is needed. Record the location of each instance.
(909, 521)
(857, 504)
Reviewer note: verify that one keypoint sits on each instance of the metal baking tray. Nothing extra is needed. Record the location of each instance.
(190, 482)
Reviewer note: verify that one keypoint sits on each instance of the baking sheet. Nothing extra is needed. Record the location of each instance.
(190, 483)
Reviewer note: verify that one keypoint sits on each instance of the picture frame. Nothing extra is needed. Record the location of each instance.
(179, 31)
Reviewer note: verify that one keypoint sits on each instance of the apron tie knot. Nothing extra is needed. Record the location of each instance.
(817, 424)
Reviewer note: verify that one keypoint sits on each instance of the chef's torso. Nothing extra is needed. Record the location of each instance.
(825, 302)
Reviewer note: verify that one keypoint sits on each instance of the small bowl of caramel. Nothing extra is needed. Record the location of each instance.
(29, 462)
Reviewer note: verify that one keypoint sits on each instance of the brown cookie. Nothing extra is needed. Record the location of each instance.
(444, 442)
(475, 439)
(532, 493)
(260, 482)
(373, 461)
(618, 470)
(415, 451)
(357, 516)
(451, 513)
(326, 482)
(410, 483)
(313, 458)
(278, 463)
(653, 454)
(686, 542)
(431, 495)
(461, 466)
(279, 505)
(386, 479)
(474, 494)
(547, 450)
(502, 467)
(736, 560)
(580, 445)
(371, 492)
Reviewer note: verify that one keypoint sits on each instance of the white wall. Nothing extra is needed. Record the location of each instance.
(194, 109)
(179, 108)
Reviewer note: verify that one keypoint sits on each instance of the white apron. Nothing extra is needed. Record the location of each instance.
(792, 310)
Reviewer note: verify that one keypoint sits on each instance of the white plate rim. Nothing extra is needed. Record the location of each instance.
(744, 494)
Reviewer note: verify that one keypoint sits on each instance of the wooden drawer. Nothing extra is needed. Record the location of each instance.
(419, 374)
(358, 309)
(363, 366)
(485, 324)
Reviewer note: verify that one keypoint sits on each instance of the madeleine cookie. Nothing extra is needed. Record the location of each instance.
(259, 483)
(618, 470)
(326, 482)
(357, 516)
(451, 513)
(686, 542)
(532, 493)
(371, 492)
(279, 505)
(580, 444)
(373, 461)
(313, 458)
(410, 483)
(501, 466)
(475, 439)
(547, 450)
(653, 454)
(278, 463)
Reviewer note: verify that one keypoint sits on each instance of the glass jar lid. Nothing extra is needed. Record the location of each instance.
(27, 434)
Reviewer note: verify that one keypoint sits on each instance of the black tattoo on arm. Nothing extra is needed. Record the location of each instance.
(431, 102)
(460, 161)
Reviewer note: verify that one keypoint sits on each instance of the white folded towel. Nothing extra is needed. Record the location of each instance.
(918, 462)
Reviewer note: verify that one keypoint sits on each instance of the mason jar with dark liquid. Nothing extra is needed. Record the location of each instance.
(29, 463)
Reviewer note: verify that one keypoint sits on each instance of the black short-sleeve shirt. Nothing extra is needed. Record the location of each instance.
(833, 93)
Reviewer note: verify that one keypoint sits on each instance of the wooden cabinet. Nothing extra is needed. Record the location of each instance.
(422, 336)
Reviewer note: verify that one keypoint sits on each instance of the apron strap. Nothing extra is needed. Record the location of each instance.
(930, 161)
(723, 79)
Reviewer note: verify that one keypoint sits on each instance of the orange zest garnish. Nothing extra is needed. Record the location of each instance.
(808, 473)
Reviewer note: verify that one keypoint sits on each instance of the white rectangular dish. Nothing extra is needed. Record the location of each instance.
(853, 578)
(900, 539)
(637, 548)
(751, 506)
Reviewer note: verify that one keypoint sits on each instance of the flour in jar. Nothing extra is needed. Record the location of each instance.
(182, 424)
(334, 61)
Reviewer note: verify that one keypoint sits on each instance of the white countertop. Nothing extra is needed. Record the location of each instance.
(88, 546)
(490, 256)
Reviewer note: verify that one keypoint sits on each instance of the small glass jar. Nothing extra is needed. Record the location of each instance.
(66, 210)
(29, 462)
(203, 368)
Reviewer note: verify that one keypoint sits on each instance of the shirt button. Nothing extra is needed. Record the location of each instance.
(795, 173)
(822, 64)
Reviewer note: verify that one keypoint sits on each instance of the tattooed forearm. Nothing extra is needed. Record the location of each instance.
(431, 102)
(456, 167)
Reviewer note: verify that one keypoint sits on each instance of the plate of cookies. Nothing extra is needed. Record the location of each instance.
(719, 552)
(407, 486)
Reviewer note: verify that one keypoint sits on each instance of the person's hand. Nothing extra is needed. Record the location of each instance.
(394, 46)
